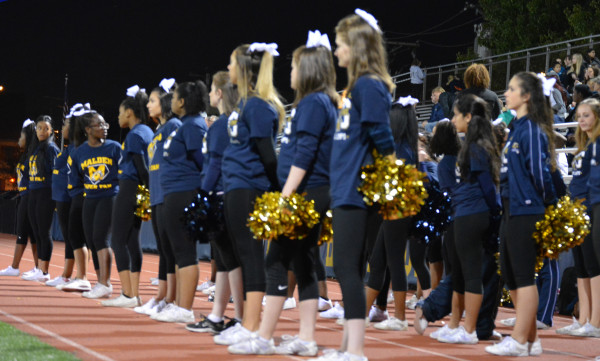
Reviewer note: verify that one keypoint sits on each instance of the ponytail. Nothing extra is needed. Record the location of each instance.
(138, 105)
(194, 95)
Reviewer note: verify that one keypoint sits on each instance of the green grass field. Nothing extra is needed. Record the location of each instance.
(19, 346)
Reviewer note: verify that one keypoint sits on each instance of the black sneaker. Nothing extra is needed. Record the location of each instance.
(232, 322)
(206, 325)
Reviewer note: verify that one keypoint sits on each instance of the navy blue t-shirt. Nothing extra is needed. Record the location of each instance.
(468, 195)
(403, 151)
(136, 142)
(594, 178)
(179, 170)
(369, 102)
(155, 153)
(75, 179)
(581, 173)
(98, 169)
(60, 176)
(307, 139)
(23, 177)
(38, 180)
(446, 172)
(242, 168)
(213, 147)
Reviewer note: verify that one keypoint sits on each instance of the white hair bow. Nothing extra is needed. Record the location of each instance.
(315, 39)
(167, 84)
(27, 122)
(444, 120)
(547, 84)
(80, 109)
(405, 101)
(271, 48)
(368, 18)
(132, 91)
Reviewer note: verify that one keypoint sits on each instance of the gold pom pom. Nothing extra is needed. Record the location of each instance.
(397, 187)
(142, 203)
(326, 229)
(505, 298)
(274, 216)
(564, 226)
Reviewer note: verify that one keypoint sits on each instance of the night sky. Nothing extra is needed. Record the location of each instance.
(105, 46)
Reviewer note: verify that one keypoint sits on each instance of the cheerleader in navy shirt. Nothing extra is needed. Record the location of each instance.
(41, 205)
(249, 169)
(526, 161)
(133, 171)
(159, 107)
(179, 180)
(303, 166)
(24, 230)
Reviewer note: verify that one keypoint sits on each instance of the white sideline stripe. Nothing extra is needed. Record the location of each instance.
(57, 337)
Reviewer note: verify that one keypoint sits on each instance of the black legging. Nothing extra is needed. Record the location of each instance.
(76, 232)
(469, 233)
(224, 253)
(183, 248)
(239, 203)
(96, 220)
(299, 254)
(24, 229)
(518, 250)
(41, 210)
(126, 229)
(162, 263)
(62, 211)
(417, 250)
(166, 261)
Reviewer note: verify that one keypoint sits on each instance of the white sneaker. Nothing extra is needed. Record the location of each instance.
(205, 285)
(295, 346)
(412, 302)
(209, 290)
(390, 298)
(156, 309)
(420, 323)
(57, 281)
(337, 311)
(146, 307)
(377, 315)
(392, 324)
(442, 331)
(460, 336)
(99, 291)
(508, 347)
(175, 314)
(324, 304)
(154, 281)
(33, 275)
(535, 348)
(567, 330)
(165, 309)
(540, 325)
(122, 301)
(289, 303)
(510, 322)
(76, 285)
(42, 278)
(254, 345)
(232, 335)
(587, 330)
(351, 357)
(34, 269)
(9, 271)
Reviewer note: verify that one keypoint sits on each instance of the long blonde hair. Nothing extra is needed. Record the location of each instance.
(255, 77)
(577, 64)
(368, 55)
(316, 73)
(581, 138)
(230, 95)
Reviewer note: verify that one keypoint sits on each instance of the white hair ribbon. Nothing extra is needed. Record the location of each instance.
(315, 39)
(370, 19)
(80, 109)
(167, 84)
(132, 91)
(444, 120)
(271, 48)
(405, 101)
(547, 84)
(27, 122)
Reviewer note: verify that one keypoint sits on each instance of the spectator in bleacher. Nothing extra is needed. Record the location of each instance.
(557, 102)
(591, 72)
(437, 112)
(591, 58)
(454, 84)
(477, 81)
(595, 85)
(576, 72)
(416, 79)
(557, 68)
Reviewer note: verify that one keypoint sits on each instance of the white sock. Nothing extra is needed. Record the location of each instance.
(214, 318)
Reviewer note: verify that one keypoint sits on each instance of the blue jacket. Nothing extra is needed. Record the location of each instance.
(437, 113)
(594, 178)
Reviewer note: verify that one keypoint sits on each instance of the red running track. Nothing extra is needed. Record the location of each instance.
(92, 332)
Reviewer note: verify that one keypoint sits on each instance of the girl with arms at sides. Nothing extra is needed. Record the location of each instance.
(179, 178)
(303, 166)
(362, 126)
(527, 188)
(26, 143)
(159, 108)
(133, 171)
(250, 169)
(41, 205)
(224, 97)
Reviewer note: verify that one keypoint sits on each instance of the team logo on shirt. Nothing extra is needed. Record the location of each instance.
(503, 159)
(287, 127)
(97, 174)
(97, 170)
(33, 171)
(232, 126)
(19, 174)
(457, 172)
(168, 143)
(152, 146)
(578, 163)
(343, 120)
(515, 147)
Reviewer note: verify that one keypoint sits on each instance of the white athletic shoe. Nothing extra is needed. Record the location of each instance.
(209, 290)
(412, 302)
(295, 346)
(508, 347)
(289, 303)
(392, 324)
(205, 285)
(535, 348)
(377, 315)
(442, 331)
(175, 314)
(337, 311)
(540, 325)
(154, 281)
(254, 345)
(329, 355)
(43, 278)
(99, 291)
(33, 275)
(510, 322)
(420, 324)
(232, 335)
(34, 269)
(146, 307)
(390, 298)
(587, 330)
(568, 330)
(57, 281)
(9, 271)
(460, 336)
(324, 304)
(122, 301)
(76, 285)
